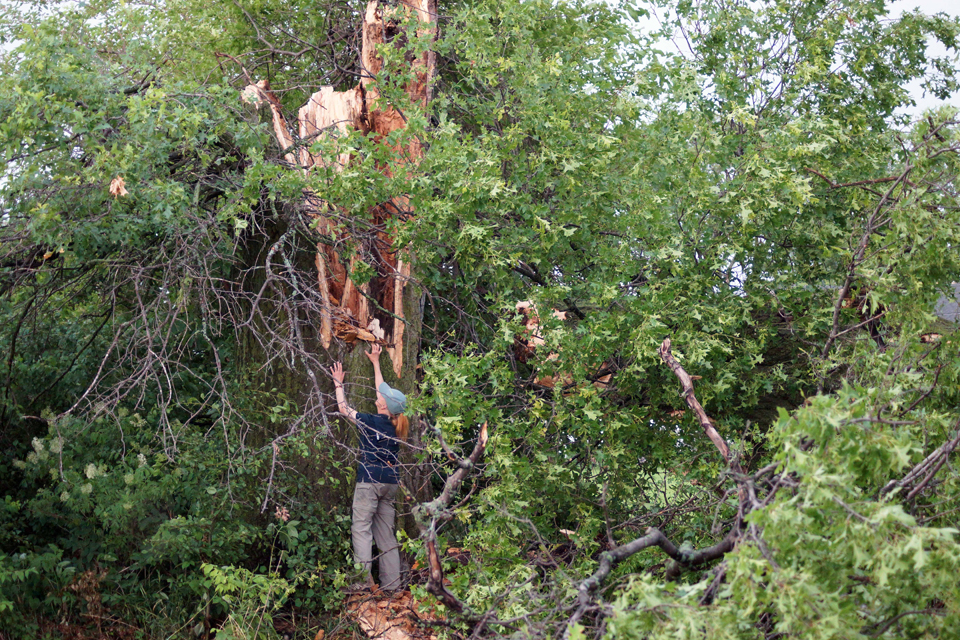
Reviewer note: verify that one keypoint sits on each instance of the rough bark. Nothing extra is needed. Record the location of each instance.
(319, 320)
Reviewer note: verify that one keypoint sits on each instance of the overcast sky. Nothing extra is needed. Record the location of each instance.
(951, 7)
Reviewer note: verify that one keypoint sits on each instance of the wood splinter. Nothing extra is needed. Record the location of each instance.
(347, 310)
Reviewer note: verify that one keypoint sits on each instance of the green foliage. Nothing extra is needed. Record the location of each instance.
(29, 582)
(251, 598)
(758, 198)
(835, 559)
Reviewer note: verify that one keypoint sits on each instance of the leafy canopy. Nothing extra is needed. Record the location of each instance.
(755, 196)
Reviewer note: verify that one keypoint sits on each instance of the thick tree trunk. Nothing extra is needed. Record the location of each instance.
(387, 309)
(348, 310)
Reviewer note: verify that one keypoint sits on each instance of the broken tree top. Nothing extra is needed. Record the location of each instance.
(372, 311)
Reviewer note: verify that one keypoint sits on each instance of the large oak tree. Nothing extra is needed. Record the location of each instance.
(667, 313)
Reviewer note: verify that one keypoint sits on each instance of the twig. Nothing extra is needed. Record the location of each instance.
(935, 460)
(881, 627)
(834, 185)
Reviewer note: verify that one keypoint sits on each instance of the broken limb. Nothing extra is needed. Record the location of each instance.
(430, 514)
(348, 308)
(437, 508)
(526, 345)
(687, 383)
(653, 538)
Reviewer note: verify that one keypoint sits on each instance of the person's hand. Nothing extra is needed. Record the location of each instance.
(374, 354)
(336, 370)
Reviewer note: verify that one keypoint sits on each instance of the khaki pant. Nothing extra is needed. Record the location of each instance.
(373, 512)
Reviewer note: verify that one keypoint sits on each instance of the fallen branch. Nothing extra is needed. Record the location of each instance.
(429, 514)
(653, 538)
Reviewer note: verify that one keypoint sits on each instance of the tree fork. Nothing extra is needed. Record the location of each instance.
(653, 538)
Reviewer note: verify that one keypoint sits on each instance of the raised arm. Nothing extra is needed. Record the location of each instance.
(349, 412)
(374, 356)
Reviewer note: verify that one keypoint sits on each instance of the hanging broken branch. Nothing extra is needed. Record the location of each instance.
(687, 383)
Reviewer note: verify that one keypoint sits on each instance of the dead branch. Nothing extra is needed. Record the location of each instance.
(687, 383)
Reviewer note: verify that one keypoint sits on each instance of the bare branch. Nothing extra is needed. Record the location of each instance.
(687, 383)
(653, 538)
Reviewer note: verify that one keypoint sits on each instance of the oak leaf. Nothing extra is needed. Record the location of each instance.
(117, 187)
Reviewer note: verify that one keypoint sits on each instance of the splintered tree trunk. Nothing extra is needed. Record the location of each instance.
(348, 316)
(348, 312)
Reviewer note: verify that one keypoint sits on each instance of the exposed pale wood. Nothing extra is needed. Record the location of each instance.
(534, 339)
(373, 26)
(328, 110)
(353, 301)
(326, 318)
(396, 341)
(392, 617)
(687, 384)
(421, 89)
(363, 315)
(260, 93)
(378, 23)
(350, 333)
(347, 308)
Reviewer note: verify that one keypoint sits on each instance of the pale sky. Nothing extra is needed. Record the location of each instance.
(950, 7)
(929, 7)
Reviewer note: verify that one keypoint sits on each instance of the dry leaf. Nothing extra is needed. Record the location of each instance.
(392, 618)
(117, 188)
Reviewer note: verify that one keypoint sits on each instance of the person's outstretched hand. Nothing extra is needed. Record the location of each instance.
(374, 353)
(336, 370)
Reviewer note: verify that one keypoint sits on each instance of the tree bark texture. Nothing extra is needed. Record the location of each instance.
(382, 309)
